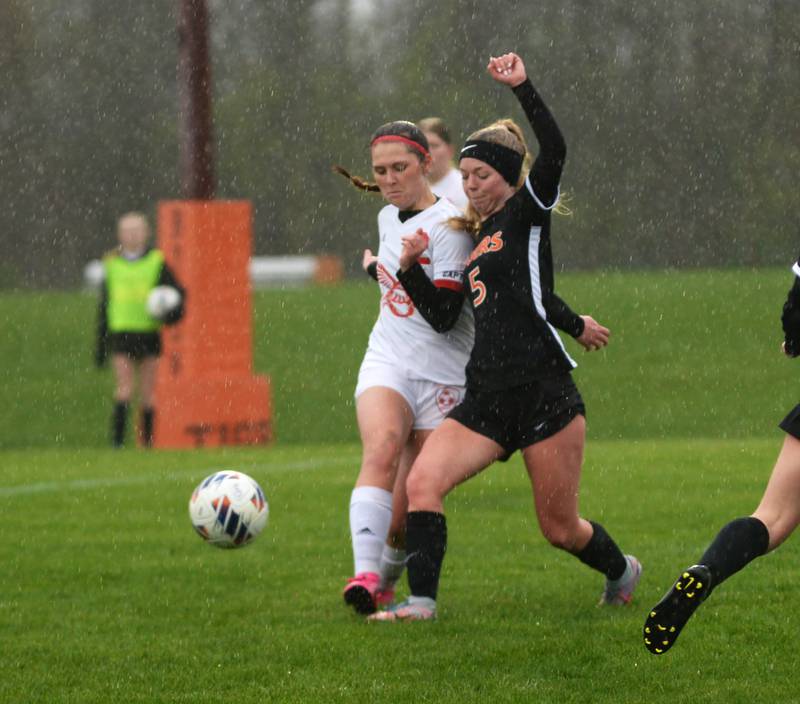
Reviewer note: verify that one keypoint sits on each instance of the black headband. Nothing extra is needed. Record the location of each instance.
(505, 161)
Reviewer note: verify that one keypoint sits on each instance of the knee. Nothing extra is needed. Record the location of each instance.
(560, 534)
(123, 392)
(382, 455)
(123, 388)
(422, 487)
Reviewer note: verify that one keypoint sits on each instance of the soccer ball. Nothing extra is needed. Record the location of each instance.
(162, 300)
(228, 509)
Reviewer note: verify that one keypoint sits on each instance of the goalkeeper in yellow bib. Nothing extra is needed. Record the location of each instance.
(126, 330)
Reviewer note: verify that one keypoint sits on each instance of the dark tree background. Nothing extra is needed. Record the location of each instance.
(681, 119)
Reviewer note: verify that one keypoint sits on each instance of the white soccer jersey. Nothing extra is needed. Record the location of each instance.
(401, 334)
(452, 188)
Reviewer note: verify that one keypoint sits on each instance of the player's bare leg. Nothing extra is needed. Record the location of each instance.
(124, 376)
(554, 466)
(452, 454)
(148, 369)
(393, 559)
(384, 422)
(737, 544)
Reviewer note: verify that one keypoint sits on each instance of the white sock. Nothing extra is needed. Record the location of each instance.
(393, 562)
(370, 517)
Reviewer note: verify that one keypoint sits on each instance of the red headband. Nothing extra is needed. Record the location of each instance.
(404, 140)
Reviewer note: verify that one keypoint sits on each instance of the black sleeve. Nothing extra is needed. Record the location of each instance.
(546, 170)
(439, 306)
(168, 278)
(562, 316)
(372, 270)
(790, 320)
(101, 342)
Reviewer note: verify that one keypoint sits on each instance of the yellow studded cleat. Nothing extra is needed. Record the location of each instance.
(670, 615)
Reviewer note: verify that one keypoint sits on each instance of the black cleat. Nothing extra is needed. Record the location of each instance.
(669, 616)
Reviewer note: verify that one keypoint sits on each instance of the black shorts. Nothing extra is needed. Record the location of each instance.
(136, 345)
(521, 416)
(791, 424)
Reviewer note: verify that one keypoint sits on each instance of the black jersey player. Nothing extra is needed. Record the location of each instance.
(743, 539)
(520, 395)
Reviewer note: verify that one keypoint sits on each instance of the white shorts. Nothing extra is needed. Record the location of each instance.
(430, 401)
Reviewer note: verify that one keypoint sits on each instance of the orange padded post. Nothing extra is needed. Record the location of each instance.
(206, 393)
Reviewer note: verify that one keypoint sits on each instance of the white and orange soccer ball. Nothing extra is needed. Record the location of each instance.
(228, 509)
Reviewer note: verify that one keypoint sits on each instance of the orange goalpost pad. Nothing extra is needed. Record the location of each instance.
(206, 393)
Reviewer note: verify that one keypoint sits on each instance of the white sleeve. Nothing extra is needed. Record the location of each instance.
(450, 250)
(552, 205)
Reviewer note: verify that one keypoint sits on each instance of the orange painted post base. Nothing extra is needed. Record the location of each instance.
(206, 393)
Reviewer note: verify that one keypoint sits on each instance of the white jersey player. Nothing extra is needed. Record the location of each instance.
(412, 375)
(444, 178)
(401, 336)
(451, 186)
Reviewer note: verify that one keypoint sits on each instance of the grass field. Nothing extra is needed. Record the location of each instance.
(693, 354)
(106, 593)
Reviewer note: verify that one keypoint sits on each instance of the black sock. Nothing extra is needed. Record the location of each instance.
(602, 554)
(426, 542)
(738, 543)
(118, 421)
(148, 413)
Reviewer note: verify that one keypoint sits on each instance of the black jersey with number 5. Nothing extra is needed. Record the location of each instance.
(510, 275)
(510, 272)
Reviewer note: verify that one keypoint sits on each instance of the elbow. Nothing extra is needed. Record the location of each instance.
(560, 150)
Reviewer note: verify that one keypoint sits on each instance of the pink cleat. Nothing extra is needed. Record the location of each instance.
(361, 592)
(384, 597)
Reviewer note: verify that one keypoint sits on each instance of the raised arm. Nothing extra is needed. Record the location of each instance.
(545, 173)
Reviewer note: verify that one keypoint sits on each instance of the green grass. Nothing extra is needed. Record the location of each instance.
(693, 354)
(106, 593)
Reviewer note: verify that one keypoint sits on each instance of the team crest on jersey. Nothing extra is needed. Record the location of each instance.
(447, 398)
(394, 297)
(490, 243)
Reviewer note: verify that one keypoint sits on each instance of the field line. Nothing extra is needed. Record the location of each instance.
(98, 482)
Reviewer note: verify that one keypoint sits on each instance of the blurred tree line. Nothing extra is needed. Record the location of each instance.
(681, 119)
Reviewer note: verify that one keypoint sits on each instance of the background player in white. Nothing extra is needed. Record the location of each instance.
(411, 375)
(444, 177)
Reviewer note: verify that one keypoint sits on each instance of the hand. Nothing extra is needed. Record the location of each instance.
(413, 246)
(369, 258)
(507, 69)
(594, 335)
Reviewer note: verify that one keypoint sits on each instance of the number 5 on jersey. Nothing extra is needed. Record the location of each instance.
(477, 287)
